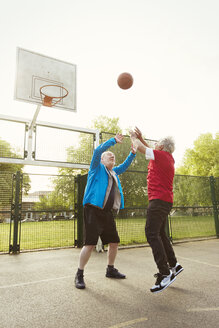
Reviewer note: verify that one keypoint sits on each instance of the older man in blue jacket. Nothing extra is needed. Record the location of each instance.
(103, 193)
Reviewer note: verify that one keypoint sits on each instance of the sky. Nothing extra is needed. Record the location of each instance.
(171, 48)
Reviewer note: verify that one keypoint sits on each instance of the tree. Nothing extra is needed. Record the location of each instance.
(134, 184)
(203, 159)
(62, 197)
(104, 123)
(6, 174)
(191, 191)
(192, 186)
(6, 152)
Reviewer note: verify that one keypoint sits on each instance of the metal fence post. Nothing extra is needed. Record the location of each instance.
(81, 183)
(215, 203)
(16, 213)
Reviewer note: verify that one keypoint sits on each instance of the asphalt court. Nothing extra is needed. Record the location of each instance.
(37, 290)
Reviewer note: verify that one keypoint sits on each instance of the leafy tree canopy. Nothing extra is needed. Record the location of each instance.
(104, 123)
(203, 159)
(6, 152)
(6, 172)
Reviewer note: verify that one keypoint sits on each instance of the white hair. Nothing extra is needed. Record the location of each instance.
(168, 144)
(104, 153)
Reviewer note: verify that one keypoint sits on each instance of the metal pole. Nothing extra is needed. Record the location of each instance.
(215, 203)
(30, 133)
(17, 213)
(81, 182)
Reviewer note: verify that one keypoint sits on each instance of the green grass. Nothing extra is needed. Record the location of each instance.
(131, 231)
(36, 235)
(184, 227)
(51, 234)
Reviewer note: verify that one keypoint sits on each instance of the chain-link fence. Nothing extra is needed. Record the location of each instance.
(48, 219)
(52, 216)
(40, 219)
(195, 211)
(39, 211)
(6, 189)
(192, 216)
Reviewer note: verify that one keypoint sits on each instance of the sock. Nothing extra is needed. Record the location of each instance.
(80, 272)
(110, 266)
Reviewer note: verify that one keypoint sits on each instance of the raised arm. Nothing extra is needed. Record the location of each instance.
(136, 138)
(119, 138)
(139, 136)
(123, 167)
(102, 148)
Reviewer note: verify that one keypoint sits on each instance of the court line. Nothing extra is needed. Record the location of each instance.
(203, 309)
(200, 262)
(34, 282)
(41, 281)
(128, 323)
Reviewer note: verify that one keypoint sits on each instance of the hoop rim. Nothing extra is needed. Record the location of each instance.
(51, 101)
(53, 85)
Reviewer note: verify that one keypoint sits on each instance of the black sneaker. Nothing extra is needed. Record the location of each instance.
(79, 281)
(177, 269)
(162, 282)
(114, 273)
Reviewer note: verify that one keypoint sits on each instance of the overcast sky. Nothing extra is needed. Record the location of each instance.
(170, 47)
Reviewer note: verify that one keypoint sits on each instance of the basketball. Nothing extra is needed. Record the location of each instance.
(125, 81)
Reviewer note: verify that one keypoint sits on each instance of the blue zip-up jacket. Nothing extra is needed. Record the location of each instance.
(97, 180)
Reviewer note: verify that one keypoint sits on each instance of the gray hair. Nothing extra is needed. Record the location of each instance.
(104, 153)
(168, 144)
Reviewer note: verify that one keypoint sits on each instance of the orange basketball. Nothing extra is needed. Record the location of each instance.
(125, 81)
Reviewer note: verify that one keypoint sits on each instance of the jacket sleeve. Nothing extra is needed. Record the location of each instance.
(123, 167)
(98, 152)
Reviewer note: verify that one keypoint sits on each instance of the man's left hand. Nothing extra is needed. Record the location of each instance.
(119, 138)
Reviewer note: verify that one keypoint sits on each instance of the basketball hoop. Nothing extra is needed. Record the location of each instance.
(49, 100)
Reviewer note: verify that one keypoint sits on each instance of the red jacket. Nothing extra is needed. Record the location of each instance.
(160, 176)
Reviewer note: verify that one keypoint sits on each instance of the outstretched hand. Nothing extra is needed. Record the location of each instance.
(119, 138)
(132, 134)
(134, 140)
(138, 133)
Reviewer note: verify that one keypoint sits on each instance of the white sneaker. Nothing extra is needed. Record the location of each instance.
(177, 269)
(162, 282)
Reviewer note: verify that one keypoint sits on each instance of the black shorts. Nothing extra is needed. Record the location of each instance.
(99, 223)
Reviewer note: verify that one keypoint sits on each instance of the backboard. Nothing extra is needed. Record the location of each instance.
(35, 71)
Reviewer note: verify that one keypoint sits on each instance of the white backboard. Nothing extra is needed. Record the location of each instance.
(35, 70)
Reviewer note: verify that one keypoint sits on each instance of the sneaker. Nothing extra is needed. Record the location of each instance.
(162, 282)
(79, 281)
(177, 269)
(114, 273)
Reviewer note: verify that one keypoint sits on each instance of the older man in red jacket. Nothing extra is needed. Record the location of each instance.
(160, 194)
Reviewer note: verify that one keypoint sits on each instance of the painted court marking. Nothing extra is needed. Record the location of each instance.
(203, 309)
(33, 282)
(200, 262)
(128, 323)
(41, 281)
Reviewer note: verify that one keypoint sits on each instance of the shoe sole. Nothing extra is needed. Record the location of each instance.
(160, 290)
(80, 287)
(115, 277)
(176, 274)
